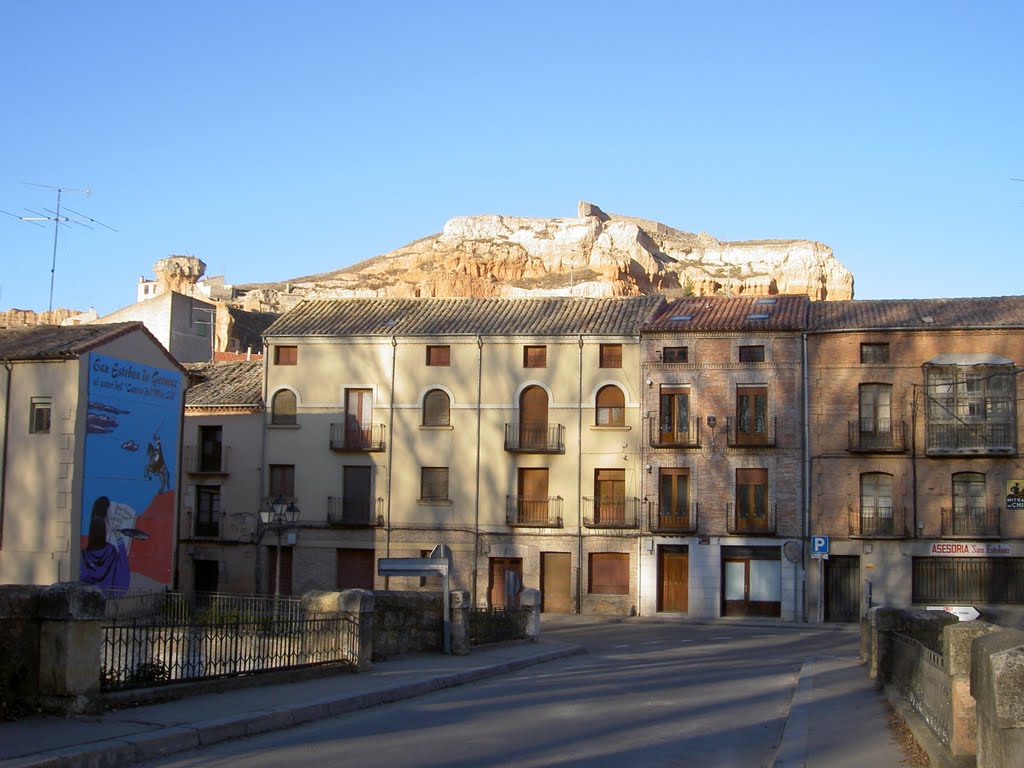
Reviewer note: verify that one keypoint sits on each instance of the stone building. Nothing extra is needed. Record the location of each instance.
(508, 430)
(89, 456)
(221, 478)
(915, 471)
(722, 402)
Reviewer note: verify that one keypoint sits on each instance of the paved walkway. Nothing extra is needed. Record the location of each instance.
(837, 718)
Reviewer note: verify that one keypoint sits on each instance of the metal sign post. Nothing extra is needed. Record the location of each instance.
(819, 552)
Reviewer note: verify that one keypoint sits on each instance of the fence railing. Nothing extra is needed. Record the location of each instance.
(918, 673)
(495, 625)
(611, 513)
(145, 654)
(172, 607)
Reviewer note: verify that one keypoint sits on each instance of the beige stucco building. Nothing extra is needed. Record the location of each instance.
(91, 420)
(508, 430)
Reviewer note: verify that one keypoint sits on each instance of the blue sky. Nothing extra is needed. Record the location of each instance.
(275, 140)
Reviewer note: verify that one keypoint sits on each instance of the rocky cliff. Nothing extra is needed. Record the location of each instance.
(592, 254)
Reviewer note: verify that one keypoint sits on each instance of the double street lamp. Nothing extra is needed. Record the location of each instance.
(278, 516)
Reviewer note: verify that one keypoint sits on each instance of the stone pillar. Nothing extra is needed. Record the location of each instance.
(70, 647)
(997, 684)
(354, 604)
(460, 608)
(358, 605)
(963, 716)
(529, 600)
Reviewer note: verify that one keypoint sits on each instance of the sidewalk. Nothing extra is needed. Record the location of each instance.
(836, 718)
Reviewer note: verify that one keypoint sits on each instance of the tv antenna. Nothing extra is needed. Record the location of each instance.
(59, 219)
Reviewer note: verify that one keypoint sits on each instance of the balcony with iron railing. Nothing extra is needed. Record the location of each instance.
(621, 513)
(759, 438)
(874, 522)
(970, 438)
(355, 513)
(527, 437)
(876, 436)
(971, 523)
(750, 521)
(208, 462)
(362, 437)
(663, 436)
(681, 520)
(533, 512)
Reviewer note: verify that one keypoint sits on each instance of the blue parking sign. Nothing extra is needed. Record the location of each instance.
(819, 546)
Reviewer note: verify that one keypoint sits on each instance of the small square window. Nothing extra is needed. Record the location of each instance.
(675, 355)
(39, 419)
(611, 355)
(752, 354)
(286, 355)
(874, 353)
(439, 355)
(434, 484)
(535, 357)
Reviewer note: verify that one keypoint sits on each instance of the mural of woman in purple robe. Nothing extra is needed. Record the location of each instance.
(105, 557)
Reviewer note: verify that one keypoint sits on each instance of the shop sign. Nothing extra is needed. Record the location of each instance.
(1015, 494)
(970, 549)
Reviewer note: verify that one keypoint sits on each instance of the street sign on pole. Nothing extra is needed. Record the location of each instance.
(819, 547)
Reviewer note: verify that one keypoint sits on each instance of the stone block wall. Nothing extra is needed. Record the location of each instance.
(19, 637)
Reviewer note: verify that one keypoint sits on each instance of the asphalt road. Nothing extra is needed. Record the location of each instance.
(643, 695)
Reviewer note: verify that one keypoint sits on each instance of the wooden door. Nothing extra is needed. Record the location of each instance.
(533, 418)
(505, 571)
(358, 416)
(533, 496)
(354, 569)
(555, 580)
(673, 579)
(357, 495)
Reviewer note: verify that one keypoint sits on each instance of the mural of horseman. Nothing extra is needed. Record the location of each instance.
(156, 467)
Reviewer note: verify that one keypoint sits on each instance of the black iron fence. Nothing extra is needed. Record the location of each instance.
(495, 625)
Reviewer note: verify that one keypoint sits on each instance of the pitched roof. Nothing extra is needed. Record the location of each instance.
(735, 313)
(224, 384)
(61, 342)
(987, 312)
(550, 316)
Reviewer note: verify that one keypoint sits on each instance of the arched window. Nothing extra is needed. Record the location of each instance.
(436, 409)
(282, 408)
(611, 407)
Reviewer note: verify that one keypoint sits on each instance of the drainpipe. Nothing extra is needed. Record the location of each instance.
(806, 469)
(3, 474)
(476, 511)
(579, 485)
(390, 453)
(913, 458)
(260, 477)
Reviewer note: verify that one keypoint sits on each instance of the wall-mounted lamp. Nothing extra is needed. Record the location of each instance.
(712, 422)
(648, 468)
(650, 383)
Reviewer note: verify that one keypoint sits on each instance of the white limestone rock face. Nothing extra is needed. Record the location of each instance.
(592, 254)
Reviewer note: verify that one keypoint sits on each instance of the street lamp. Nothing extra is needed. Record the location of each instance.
(278, 516)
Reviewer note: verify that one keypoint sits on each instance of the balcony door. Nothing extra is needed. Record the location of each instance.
(875, 413)
(675, 414)
(358, 416)
(533, 496)
(210, 448)
(752, 499)
(357, 494)
(533, 418)
(751, 415)
(610, 496)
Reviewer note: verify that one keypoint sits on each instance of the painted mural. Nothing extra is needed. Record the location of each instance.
(128, 493)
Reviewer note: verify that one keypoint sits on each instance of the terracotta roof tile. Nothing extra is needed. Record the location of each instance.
(224, 384)
(59, 342)
(737, 313)
(462, 316)
(987, 312)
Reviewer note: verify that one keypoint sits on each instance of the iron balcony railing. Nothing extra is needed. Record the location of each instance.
(681, 520)
(200, 462)
(360, 437)
(763, 437)
(611, 513)
(750, 521)
(874, 522)
(526, 437)
(984, 437)
(355, 513)
(533, 512)
(976, 522)
(675, 436)
(876, 436)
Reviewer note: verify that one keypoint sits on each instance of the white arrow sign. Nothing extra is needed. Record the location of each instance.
(962, 612)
